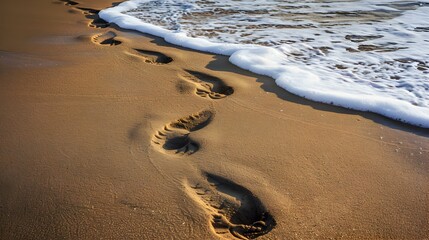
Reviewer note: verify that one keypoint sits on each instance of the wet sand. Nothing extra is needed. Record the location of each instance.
(107, 133)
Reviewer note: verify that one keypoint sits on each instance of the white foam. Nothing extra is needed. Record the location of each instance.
(365, 81)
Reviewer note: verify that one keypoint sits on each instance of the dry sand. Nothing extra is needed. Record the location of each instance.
(113, 134)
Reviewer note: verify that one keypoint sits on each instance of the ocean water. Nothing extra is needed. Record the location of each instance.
(365, 55)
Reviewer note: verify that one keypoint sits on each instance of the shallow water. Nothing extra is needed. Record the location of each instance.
(366, 55)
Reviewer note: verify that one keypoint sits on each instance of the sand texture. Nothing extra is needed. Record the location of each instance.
(113, 134)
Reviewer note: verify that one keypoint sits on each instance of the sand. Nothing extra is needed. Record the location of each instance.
(113, 134)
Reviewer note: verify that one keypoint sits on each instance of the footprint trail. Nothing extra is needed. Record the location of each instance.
(236, 213)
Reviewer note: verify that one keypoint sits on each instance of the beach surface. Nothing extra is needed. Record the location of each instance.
(113, 134)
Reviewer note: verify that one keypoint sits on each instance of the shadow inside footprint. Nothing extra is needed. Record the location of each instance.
(175, 136)
(107, 38)
(153, 57)
(236, 212)
(177, 142)
(208, 86)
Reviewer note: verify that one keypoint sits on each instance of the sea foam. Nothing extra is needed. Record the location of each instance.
(364, 55)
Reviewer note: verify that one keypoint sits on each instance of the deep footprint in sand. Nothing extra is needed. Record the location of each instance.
(107, 38)
(236, 212)
(92, 14)
(208, 86)
(174, 137)
(151, 57)
(69, 3)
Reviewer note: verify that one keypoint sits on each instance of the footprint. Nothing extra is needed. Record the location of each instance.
(107, 38)
(92, 14)
(236, 212)
(174, 137)
(208, 86)
(69, 3)
(152, 57)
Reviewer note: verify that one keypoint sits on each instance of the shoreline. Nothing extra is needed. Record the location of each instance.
(109, 133)
(265, 61)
